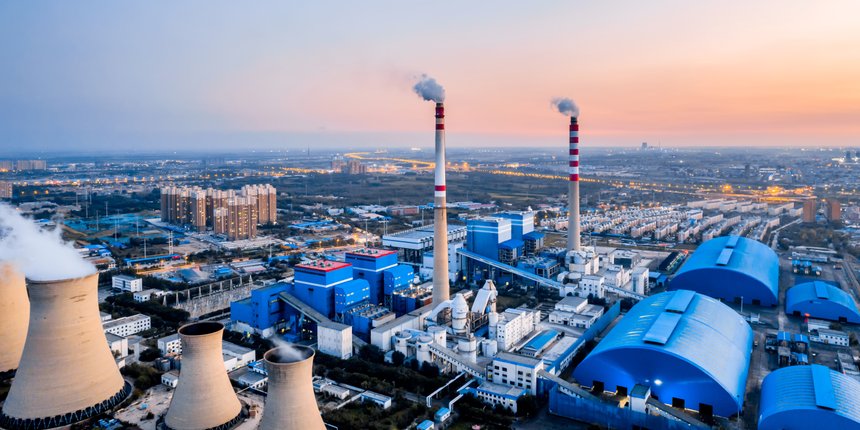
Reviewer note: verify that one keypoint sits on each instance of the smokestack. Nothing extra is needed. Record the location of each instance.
(573, 188)
(14, 316)
(441, 287)
(204, 398)
(430, 90)
(67, 372)
(290, 402)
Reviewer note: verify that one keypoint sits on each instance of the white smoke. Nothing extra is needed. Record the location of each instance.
(40, 254)
(287, 353)
(566, 106)
(429, 89)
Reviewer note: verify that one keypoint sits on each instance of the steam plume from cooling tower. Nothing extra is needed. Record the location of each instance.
(40, 254)
(565, 106)
(429, 89)
(287, 352)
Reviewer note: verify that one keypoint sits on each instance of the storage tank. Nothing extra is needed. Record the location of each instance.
(67, 372)
(290, 402)
(439, 334)
(401, 342)
(489, 348)
(204, 398)
(468, 347)
(422, 353)
(14, 316)
(459, 314)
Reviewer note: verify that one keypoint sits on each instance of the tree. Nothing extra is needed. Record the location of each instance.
(397, 358)
(371, 353)
(150, 354)
(527, 405)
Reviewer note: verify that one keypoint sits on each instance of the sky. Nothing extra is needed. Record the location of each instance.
(218, 75)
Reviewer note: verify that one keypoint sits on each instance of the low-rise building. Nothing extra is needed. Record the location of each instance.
(236, 356)
(382, 401)
(170, 379)
(499, 395)
(127, 283)
(335, 339)
(118, 345)
(170, 344)
(516, 371)
(127, 326)
(147, 295)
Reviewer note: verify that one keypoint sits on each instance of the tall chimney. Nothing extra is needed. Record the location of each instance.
(441, 287)
(204, 398)
(67, 372)
(14, 316)
(290, 401)
(573, 188)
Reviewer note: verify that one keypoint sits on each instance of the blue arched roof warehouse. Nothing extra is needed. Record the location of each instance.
(685, 346)
(820, 299)
(809, 397)
(730, 268)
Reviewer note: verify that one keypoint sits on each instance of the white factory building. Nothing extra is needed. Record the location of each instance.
(127, 326)
(516, 371)
(575, 312)
(169, 344)
(512, 325)
(127, 283)
(335, 339)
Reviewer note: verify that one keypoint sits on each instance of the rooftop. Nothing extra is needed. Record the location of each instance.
(323, 265)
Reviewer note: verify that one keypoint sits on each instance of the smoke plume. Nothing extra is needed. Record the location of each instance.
(40, 254)
(429, 89)
(566, 106)
(287, 353)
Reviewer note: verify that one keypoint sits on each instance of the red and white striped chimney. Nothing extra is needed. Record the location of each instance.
(573, 188)
(441, 287)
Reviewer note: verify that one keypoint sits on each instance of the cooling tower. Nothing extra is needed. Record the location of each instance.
(14, 316)
(204, 398)
(67, 372)
(441, 286)
(573, 188)
(290, 402)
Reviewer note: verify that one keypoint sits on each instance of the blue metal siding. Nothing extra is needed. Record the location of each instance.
(349, 294)
(820, 299)
(809, 397)
(396, 278)
(705, 357)
(749, 269)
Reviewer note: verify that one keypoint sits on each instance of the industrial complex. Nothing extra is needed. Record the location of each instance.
(692, 314)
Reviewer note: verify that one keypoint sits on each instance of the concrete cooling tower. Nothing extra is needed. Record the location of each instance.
(14, 316)
(67, 372)
(204, 398)
(290, 403)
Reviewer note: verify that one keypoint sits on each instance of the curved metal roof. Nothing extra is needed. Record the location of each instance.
(803, 397)
(821, 299)
(731, 266)
(681, 344)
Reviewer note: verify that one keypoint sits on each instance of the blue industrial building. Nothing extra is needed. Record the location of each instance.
(807, 397)
(349, 295)
(732, 268)
(691, 350)
(314, 283)
(820, 299)
(484, 235)
(370, 264)
(262, 310)
(396, 279)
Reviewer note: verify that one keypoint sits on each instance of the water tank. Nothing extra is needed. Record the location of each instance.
(439, 335)
(489, 347)
(401, 342)
(468, 347)
(422, 353)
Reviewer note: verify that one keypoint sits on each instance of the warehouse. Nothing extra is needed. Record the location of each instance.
(691, 350)
(733, 269)
(806, 397)
(819, 299)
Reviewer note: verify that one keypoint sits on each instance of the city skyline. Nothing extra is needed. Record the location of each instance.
(282, 76)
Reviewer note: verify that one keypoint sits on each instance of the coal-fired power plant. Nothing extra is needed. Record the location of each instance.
(290, 402)
(204, 398)
(14, 316)
(573, 232)
(441, 287)
(67, 372)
